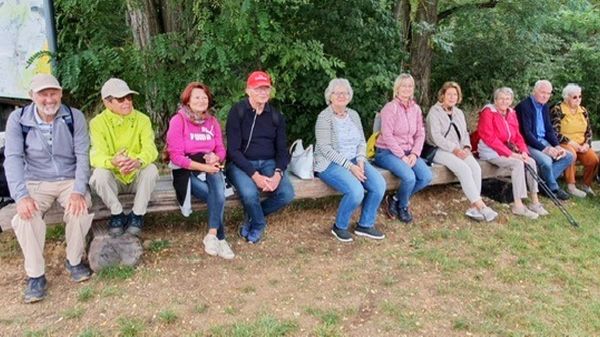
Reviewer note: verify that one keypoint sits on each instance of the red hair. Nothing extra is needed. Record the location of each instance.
(187, 93)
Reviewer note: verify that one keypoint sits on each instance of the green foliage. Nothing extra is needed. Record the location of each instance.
(168, 316)
(130, 327)
(266, 326)
(116, 273)
(55, 233)
(158, 245)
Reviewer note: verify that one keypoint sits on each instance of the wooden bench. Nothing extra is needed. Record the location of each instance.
(163, 198)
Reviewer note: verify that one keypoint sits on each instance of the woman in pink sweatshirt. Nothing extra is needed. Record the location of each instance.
(196, 153)
(399, 146)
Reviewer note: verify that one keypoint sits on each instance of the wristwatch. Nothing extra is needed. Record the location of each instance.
(279, 171)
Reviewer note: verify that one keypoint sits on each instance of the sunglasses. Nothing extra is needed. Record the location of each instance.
(123, 99)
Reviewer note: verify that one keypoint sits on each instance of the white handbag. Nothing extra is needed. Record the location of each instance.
(301, 162)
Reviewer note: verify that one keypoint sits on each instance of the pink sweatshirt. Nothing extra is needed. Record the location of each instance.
(402, 129)
(185, 138)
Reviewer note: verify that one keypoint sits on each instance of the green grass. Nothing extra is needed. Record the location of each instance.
(85, 294)
(36, 333)
(168, 316)
(74, 313)
(329, 325)
(265, 326)
(130, 327)
(55, 233)
(90, 332)
(156, 246)
(201, 308)
(116, 273)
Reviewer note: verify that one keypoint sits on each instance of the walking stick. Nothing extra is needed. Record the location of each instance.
(551, 194)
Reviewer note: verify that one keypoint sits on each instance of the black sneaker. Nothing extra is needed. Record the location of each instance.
(561, 194)
(79, 273)
(36, 289)
(369, 232)
(135, 224)
(404, 215)
(116, 223)
(391, 207)
(341, 234)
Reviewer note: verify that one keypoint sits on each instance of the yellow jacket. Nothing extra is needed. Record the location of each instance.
(111, 132)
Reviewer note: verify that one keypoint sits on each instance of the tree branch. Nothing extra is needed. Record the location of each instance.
(448, 12)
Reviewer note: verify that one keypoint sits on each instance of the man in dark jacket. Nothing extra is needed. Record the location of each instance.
(257, 155)
(544, 148)
(47, 160)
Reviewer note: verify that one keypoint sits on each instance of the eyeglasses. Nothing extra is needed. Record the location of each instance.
(122, 99)
(576, 97)
(341, 93)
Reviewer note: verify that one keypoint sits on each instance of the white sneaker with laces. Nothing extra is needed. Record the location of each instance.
(474, 214)
(526, 212)
(575, 191)
(589, 190)
(488, 213)
(225, 251)
(211, 244)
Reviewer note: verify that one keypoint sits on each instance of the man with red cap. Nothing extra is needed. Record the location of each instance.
(257, 155)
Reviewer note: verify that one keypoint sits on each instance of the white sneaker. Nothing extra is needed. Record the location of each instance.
(488, 213)
(211, 244)
(575, 191)
(539, 209)
(225, 251)
(589, 190)
(474, 214)
(524, 211)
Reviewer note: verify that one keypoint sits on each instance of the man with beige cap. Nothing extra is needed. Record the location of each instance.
(47, 160)
(122, 155)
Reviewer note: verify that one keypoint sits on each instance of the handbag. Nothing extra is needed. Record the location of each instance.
(301, 162)
(428, 153)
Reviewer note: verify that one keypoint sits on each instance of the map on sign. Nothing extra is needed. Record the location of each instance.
(24, 31)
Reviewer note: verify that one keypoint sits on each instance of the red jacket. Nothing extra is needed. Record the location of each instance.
(496, 130)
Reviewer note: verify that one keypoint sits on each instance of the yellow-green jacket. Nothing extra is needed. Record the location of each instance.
(110, 133)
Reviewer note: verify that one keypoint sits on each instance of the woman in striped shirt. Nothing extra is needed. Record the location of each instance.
(340, 162)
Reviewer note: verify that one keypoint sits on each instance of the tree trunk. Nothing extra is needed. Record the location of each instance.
(421, 49)
(143, 21)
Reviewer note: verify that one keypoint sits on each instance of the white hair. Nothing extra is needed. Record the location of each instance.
(337, 82)
(541, 83)
(400, 79)
(503, 91)
(570, 89)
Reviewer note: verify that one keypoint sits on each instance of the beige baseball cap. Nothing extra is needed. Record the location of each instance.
(40, 82)
(117, 88)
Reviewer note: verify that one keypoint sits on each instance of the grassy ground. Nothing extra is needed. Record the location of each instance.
(444, 275)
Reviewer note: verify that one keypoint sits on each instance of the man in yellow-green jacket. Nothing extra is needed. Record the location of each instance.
(122, 155)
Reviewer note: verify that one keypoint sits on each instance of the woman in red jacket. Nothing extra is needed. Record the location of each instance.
(502, 144)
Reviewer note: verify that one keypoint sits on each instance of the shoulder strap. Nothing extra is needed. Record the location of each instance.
(69, 120)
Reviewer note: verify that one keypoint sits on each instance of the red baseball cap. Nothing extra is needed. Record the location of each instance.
(258, 79)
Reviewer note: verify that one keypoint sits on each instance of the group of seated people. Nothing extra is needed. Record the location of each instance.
(49, 153)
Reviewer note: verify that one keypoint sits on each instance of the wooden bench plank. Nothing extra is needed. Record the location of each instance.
(163, 197)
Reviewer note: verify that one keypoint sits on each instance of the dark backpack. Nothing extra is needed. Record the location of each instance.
(4, 191)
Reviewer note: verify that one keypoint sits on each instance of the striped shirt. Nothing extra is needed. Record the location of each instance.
(327, 147)
(45, 128)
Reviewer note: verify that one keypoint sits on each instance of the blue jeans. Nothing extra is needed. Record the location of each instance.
(412, 179)
(211, 191)
(249, 194)
(548, 168)
(342, 180)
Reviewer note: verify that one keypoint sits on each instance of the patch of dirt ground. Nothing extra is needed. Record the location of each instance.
(370, 288)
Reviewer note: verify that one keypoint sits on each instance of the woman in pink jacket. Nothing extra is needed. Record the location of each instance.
(399, 146)
(502, 144)
(196, 153)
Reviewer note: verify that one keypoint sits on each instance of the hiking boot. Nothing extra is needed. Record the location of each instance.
(369, 232)
(390, 206)
(254, 235)
(474, 214)
(524, 211)
(116, 223)
(225, 250)
(211, 244)
(561, 194)
(488, 213)
(538, 208)
(404, 215)
(79, 273)
(341, 234)
(244, 230)
(36, 289)
(135, 224)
